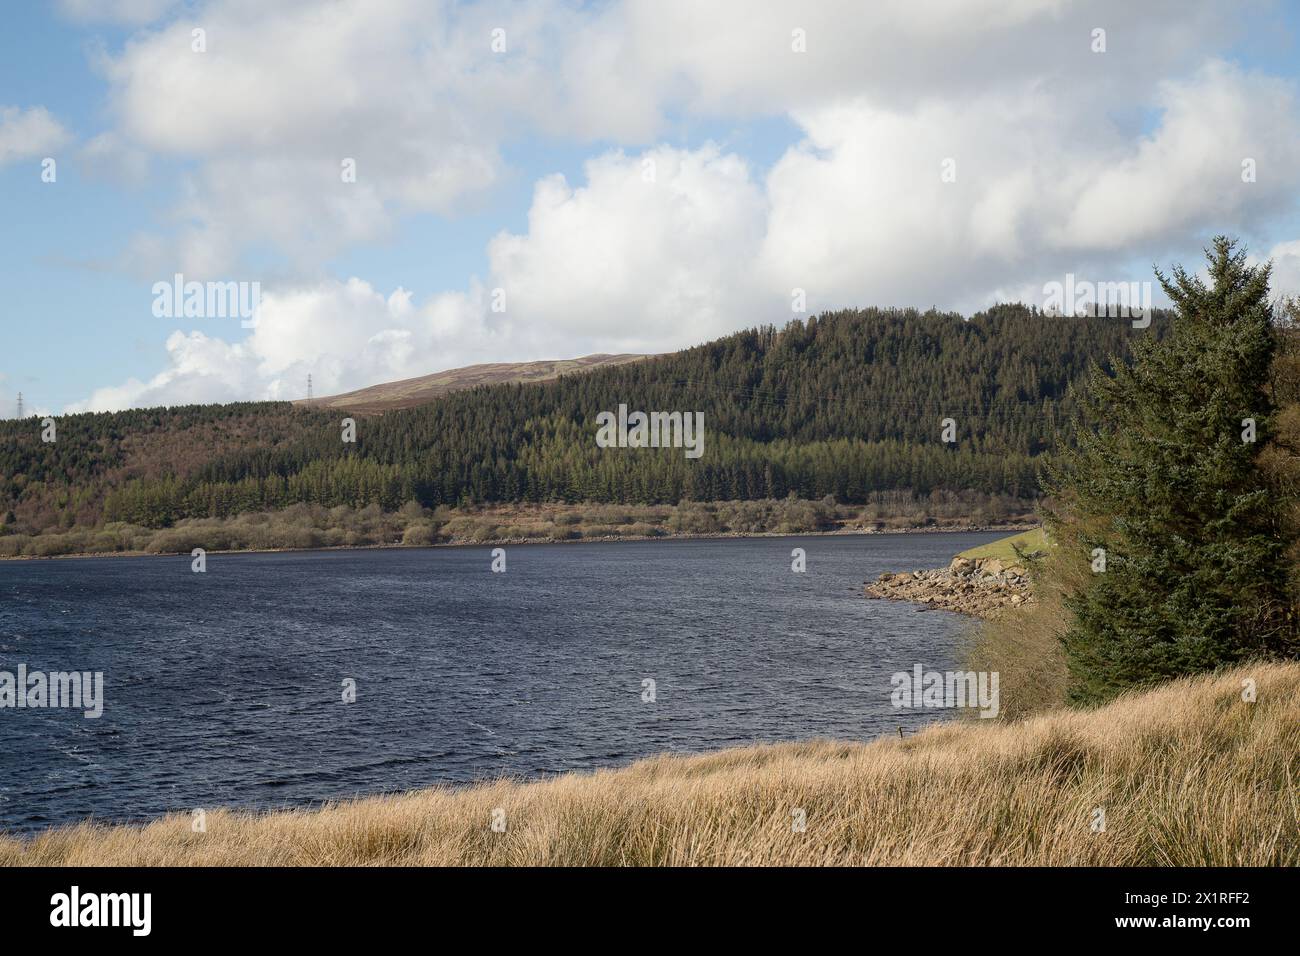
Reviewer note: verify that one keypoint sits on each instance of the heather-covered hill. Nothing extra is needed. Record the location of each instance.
(411, 392)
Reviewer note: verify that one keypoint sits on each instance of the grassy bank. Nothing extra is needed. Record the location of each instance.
(1009, 549)
(315, 526)
(1188, 774)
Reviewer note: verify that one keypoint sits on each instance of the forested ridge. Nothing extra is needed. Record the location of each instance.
(843, 404)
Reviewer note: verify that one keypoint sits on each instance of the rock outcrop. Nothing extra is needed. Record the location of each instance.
(981, 588)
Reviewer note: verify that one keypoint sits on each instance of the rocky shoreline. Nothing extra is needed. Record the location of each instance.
(980, 588)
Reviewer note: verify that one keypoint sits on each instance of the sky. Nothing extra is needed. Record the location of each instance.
(415, 185)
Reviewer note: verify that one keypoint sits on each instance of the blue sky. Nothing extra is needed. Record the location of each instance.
(709, 168)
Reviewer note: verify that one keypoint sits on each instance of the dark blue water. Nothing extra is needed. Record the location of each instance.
(225, 688)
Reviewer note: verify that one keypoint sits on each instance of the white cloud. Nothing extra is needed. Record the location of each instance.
(1066, 161)
(413, 91)
(671, 247)
(342, 333)
(1286, 269)
(644, 265)
(1187, 176)
(861, 215)
(735, 57)
(579, 280)
(409, 95)
(29, 133)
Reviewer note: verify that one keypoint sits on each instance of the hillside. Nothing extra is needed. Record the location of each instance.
(1187, 774)
(418, 391)
(848, 405)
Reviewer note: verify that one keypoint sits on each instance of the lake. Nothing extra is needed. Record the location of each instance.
(227, 688)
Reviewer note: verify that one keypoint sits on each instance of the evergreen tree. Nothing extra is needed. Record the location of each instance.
(1164, 495)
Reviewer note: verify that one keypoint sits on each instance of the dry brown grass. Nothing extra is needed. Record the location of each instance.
(1025, 645)
(1188, 775)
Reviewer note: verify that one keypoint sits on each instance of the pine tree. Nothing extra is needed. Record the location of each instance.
(1165, 499)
